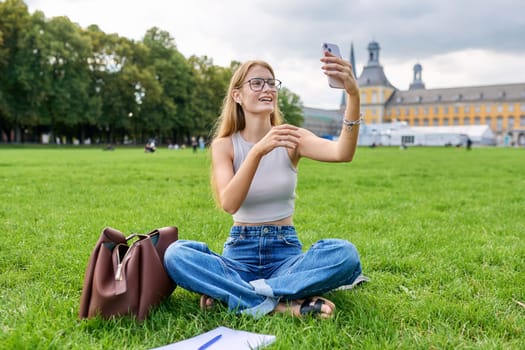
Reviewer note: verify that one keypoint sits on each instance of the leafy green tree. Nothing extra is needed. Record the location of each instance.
(291, 107)
(58, 78)
(119, 104)
(171, 116)
(14, 82)
(62, 50)
(211, 83)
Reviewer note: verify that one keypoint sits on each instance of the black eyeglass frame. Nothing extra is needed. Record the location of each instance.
(276, 86)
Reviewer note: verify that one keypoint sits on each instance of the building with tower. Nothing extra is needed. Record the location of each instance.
(501, 108)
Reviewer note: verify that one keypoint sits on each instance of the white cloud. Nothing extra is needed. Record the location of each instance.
(459, 43)
(460, 68)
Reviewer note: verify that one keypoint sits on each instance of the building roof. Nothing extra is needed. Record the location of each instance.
(373, 76)
(323, 114)
(488, 93)
(373, 73)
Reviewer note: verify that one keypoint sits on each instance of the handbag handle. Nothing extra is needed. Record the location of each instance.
(154, 236)
(133, 235)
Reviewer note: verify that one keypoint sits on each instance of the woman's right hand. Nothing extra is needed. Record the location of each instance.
(284, 135)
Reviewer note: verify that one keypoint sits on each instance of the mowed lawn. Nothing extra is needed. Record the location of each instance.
(441, 233)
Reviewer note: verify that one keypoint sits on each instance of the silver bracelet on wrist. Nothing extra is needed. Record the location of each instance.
(349, 124)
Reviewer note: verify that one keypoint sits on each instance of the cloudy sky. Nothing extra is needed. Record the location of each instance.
(458, 42)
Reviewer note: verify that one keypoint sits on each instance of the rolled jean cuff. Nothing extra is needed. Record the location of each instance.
(262, 288)
(267, 306)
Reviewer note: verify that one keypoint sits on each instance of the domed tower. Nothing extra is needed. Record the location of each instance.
(417, 82)
(375, 87)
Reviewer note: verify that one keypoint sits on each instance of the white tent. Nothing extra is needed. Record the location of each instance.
(478, 134)
(399, 133)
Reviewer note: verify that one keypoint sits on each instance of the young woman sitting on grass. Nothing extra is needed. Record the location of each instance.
(254, 172)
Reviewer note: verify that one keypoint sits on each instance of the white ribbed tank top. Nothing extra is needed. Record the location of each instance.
(271, 195)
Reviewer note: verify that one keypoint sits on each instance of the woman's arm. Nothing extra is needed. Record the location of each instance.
(342, 150)
(231, 188)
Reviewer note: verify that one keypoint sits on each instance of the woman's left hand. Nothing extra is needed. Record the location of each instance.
(342, 70)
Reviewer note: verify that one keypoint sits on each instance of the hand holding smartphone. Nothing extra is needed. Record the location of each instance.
(334, 50)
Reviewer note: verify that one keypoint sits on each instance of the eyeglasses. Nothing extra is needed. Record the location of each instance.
(257, 84)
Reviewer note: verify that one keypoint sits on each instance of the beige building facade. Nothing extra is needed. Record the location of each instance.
(501, 107)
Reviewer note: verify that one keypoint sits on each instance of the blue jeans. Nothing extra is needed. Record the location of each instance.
(261, 266)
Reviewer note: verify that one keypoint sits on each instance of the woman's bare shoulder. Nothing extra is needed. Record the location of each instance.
(222, 145)
(222, 142)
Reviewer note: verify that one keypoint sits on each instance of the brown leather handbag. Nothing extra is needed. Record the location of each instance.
(126, 275)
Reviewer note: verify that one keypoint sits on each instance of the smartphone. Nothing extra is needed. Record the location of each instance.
(334, 50)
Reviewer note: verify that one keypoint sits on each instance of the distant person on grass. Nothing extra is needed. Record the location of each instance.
(254, 173)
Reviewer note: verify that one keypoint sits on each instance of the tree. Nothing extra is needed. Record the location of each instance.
(291, 107)
(14, 83)
(171, 116)
(57, 78)
(63, 51)
(211, 83)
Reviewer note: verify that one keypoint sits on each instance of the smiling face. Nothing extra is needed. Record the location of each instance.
(256, 102)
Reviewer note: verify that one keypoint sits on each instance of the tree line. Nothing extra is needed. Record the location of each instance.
(67, 82)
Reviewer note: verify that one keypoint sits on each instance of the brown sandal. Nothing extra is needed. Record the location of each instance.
(310, 306)
(313, 307)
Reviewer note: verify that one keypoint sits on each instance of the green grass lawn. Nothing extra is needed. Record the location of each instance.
(441, 233)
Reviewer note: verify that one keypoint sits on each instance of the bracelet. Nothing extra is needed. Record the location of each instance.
(350, 123)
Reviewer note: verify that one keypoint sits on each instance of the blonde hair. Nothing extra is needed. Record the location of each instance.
(232, 117)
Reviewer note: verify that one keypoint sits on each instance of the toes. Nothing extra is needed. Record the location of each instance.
(206, 302)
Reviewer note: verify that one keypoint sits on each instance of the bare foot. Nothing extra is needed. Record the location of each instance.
(206, 302)
(315, 306)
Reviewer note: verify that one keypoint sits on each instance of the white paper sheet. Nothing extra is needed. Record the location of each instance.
(230, 340)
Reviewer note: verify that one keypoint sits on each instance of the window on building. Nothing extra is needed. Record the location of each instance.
(416, 122)
(522, 120)
(466, 109)
(488, 108)
(522, 107)
(436, 110)
(478, 108)
(499, 123)
(374, 97)
(407, 111)
(488, 121)
(398, 112)
(456, 110)
(425, 121)
(477, 120)
(435, 121)
(445, 121)
(466, 121)
(455, 121)
(510, 123)
(425, 111)
(363, 96)
(500, 108)
(510, 108)
(407, 139)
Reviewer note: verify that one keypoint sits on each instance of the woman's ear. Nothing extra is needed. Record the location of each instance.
(236, 95)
